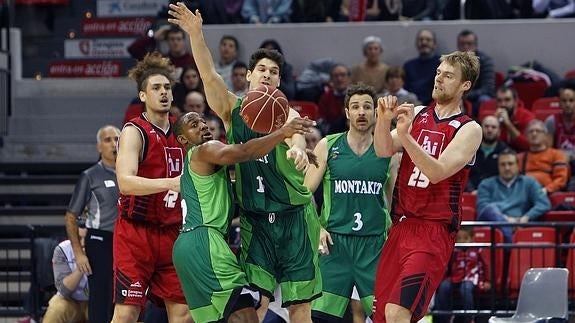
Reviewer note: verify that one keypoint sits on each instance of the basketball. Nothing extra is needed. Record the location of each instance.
(264, 109)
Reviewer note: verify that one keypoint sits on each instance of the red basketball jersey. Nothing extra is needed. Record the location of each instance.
(414, 195)
(162, 157)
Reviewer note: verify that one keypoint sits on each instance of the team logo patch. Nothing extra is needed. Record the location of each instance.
(174, 160)
(431, 141)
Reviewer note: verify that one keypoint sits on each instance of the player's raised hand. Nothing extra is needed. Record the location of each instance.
(405, 115)
(324, 240)
(297, 125)
(386, 107)
(190, 22)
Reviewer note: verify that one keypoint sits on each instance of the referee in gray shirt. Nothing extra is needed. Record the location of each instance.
(97, 193)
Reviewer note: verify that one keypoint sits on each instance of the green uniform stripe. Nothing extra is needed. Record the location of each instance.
(332, 304)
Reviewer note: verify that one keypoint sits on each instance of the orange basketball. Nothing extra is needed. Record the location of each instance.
(264, 109)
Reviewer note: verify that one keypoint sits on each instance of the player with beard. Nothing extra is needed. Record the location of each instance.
(211, 277)
(486, 159)
(354, 215)
(148, 168)
(438, 142)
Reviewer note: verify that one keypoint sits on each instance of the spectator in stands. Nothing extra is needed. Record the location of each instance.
(309, 11)
(266, 12)
(372, 70)
(189, 81)
(561, 126)
(395, 78)
(216, 127)
(175, 111)
(312, 81)
(196, 102)
(70, 304)
(418, 9)
(420, 71)
(287, 79)
(486, 157)
(229, 48)
(331, 110)
(547, 165)
(554, 8)
(177, 51)
(239, 80)
(513, 118)
(510, 196)
(484, 88)
(96, 192)
(466, 274)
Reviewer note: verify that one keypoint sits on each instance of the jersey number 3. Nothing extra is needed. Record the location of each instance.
(418, 179)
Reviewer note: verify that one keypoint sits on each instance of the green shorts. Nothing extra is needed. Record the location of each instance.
(352, 260)
(209, 272)
(281, 248)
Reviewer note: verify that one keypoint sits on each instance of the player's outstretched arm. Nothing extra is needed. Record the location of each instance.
(130, 148)
(457, 154)
(314, 174)
(385, 141)
(215, 152)
(217, 95)
(297, 146)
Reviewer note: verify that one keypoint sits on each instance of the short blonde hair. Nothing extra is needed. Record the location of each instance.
(468, 62)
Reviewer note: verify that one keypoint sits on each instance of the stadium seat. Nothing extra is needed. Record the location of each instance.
(468, 213)
(570, 75)
(483, 235)
(565, 198)
(528, 92)
(487, 108)
(499, 79)
(306, 109)
(539, 255)
(542, 297)
(547, 103)
(544, 107)
(469, 200)
(571, 265)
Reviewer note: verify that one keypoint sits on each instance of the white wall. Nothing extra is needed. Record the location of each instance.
(509, 42)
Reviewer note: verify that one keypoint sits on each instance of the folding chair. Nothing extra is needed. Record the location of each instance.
(468, 213)
(542, 297)
(487, 108)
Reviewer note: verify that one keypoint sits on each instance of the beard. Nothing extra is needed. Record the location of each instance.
(489, 141)
(440, 96)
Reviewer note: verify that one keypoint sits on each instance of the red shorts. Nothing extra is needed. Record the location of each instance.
(142, 259)
(412, 264)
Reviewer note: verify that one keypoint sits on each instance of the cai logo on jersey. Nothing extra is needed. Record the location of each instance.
(174, 160)
(431, 141)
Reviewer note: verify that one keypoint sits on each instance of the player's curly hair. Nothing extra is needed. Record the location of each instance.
(152, 64)
(359, 88)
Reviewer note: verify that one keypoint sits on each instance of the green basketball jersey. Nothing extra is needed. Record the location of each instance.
(353, 190)
(206, 200)
(270, 183)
